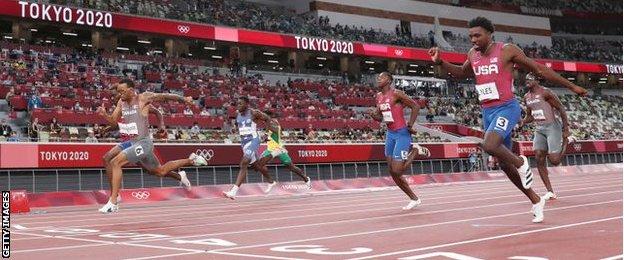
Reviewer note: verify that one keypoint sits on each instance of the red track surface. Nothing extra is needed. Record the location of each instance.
(487, 220)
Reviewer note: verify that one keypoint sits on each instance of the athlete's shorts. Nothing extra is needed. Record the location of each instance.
(502, 119)
(141, 151)
(548, 138)
(250, 149)
(125, 145)
(280, 153)
(398, 144)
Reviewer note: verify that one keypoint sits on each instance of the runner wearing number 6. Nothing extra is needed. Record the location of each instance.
(398, 149)
(133, 109)
(492, 63)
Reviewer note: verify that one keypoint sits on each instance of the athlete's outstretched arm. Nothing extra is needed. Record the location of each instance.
(111, 119)
(149, 97)
(266, 118)
(463, 71)
(159, 116)
(518, 57)
(554, 101)
(409, 102)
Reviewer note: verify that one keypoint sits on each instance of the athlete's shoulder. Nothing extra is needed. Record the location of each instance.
(548, 92)
(398, 92)
(508, 46)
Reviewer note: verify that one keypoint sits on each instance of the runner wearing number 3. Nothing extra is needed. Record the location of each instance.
(492, 63)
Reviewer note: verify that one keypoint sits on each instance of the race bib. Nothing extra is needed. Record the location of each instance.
(538, 114)
(247, 131)
(487, 91)
(387, 116)
(129, 129)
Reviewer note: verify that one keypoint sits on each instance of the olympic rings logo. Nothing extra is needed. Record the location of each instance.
(398, 52)
(141, 195)
(206, 153)
(578, 147)
(184, 28)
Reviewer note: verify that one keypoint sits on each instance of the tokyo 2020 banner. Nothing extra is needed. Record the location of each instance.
(73, 155)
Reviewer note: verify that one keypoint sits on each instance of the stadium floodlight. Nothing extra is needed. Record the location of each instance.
(33, 30)
(320, 65)
(123, 49)
(268, 53)
(369, 62)
(414, 65)
(210, 48)
(273, 61)
(158, 51)
(602, 82)
(217, 57)
(412, 71)
(371, 68)
(8, 37)
(70, 34)
(603, 79)
(571, 79)
(144, 42)
(321, 58)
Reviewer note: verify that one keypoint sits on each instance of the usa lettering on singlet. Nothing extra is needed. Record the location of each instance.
(494, 84)
(391, 111)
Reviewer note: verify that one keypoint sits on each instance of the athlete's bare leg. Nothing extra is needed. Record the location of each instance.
(540, 155)
(396, 171)
(509, 162)
(296, 170)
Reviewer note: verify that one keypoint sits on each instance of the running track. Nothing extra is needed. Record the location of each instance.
(481, 220)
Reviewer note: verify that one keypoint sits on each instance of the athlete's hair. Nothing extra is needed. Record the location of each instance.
(532, 76)
(128, 82)
(481, 22)
(243, 98)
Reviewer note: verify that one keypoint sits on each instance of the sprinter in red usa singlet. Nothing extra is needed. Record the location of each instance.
(491, 64)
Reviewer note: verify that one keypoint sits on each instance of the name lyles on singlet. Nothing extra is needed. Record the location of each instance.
(487, 91)
(386, 113)
(128, 129)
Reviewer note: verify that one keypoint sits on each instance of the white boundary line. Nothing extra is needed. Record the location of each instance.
(360, 198)
(489, 238)
(298, 216)
(411, 227)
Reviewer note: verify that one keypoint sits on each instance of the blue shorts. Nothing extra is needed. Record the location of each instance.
(502, 119)
(398, 144)
(125, 145)
(250, 149)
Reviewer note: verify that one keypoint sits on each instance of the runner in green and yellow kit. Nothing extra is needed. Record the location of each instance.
(275, 148)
